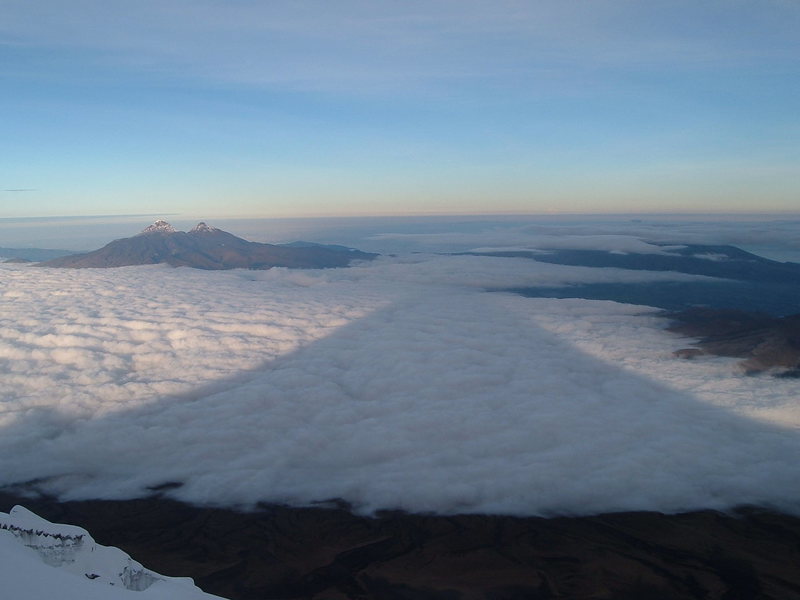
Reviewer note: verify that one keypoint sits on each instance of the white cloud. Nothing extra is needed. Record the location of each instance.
(761, 233)
(394, 384)
(766, 230)
(519, 238)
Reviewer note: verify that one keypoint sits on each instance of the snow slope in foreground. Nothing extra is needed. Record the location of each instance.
(41, 560)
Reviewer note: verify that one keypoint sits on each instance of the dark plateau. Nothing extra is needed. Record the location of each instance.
(743, 281)
(329, 553)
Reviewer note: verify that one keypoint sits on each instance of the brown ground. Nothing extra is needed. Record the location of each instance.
(765, 343)
(328, 553)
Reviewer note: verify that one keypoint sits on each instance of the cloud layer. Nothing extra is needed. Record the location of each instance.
(396, 384)
(603, 233)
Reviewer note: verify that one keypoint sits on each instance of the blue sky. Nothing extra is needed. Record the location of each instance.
(314, 107)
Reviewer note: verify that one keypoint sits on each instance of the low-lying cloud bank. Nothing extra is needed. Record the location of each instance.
(779, 238)
(398, 384)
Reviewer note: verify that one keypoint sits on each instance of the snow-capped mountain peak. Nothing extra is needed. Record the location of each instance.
(159, 226)
(201, 227)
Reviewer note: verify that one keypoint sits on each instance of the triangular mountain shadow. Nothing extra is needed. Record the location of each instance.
(398, 410)
(389, 412)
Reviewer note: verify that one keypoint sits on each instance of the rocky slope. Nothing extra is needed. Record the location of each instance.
(206, 247)
(764, 342)
(40, 559)
(316, 553)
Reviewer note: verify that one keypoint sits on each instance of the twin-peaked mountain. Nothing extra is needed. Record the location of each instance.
(205, 247)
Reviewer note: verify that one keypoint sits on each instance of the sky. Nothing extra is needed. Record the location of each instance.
(316, 108)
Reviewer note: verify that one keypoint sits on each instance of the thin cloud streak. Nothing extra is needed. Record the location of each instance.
(357, 45)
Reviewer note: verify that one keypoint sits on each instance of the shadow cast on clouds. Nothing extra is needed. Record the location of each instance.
(433, 403)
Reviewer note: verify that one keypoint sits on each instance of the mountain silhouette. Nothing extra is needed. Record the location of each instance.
(206, 247)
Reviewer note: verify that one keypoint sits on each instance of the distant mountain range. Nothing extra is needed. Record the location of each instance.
(205, 247)
(743, 281)
(31, 254)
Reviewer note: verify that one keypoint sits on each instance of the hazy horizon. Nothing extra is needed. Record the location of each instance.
(770, 235)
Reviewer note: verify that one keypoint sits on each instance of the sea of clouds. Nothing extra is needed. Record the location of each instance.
(778, 239)
(400, 383)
